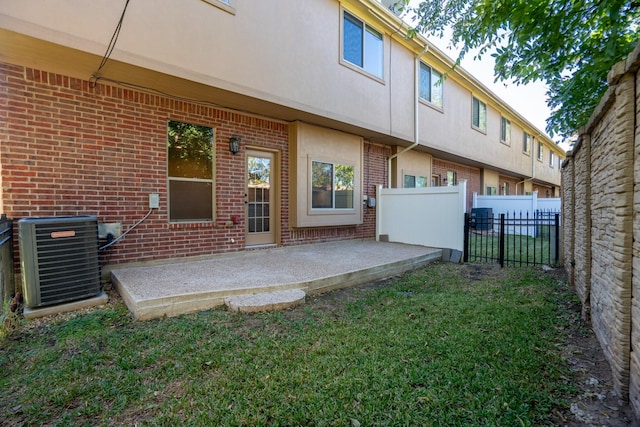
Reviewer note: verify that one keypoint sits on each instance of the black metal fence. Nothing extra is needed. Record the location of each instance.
(6, 259)
(512, 239)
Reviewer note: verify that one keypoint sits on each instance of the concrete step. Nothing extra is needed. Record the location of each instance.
(266, 301)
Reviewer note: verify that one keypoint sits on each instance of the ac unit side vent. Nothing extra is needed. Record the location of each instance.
(59, 257)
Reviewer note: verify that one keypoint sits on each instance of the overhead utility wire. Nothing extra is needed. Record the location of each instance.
(111, 46)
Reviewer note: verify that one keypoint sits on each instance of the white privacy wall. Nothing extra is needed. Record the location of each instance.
(517, 204)
(432, 216)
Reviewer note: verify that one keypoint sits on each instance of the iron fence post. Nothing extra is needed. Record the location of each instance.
(465, 256)
(501, 242)
(557, 238)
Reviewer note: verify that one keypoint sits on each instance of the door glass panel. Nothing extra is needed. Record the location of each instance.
(259, 183)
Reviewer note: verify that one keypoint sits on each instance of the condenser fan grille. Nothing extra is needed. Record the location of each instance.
(59, 259)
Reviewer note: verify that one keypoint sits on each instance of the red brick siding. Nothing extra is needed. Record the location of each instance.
(72, 148)
(544, 191)
(471, 174)
(513, 183)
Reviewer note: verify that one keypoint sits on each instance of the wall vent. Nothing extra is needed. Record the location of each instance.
(59, 259)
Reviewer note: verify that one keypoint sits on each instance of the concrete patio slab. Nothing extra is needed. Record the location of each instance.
(176, 288)
(266, 301)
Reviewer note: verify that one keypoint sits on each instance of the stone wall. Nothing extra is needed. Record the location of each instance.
(601, 196)
(568, 214)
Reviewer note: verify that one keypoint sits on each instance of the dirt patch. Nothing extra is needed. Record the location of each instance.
(597, 403)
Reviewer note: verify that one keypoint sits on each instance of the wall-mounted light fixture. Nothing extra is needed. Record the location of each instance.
(234, 144)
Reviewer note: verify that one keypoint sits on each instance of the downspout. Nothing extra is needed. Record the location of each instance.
(416, 105)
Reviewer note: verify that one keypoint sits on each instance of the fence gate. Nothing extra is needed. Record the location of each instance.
(6, 259)
(512, 239)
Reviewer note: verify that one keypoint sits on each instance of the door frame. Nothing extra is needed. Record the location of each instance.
(274, 193)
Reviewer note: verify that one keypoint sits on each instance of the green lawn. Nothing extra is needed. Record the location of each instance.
(519, 249)
(455, 345)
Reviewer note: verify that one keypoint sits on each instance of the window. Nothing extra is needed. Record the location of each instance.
(526, 143)
(415, 181)
(452, 178)
(540, 151)
(505, 131)
(505, 189)
(492, 191)
(332, 186)
(362, 45)
(479, 115)
(190, 171)
(226, 5)
(552, 159)
(430, 85)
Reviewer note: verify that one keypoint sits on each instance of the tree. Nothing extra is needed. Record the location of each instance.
(569, 44)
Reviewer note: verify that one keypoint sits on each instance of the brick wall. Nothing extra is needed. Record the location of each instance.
(601, 189)
(471, 174)
(72, 148)
(544, 191)
(513, 184)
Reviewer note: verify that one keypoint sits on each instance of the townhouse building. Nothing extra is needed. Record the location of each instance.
(232, 124)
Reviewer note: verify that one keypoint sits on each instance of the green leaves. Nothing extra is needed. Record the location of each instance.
(569, 44)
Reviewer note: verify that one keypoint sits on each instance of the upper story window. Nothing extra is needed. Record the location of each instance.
(552, 159)
(505, 131)
(479, 115)
(526, 143)
(430, 85)
(540, 151)
(190, 160)
(362, 46)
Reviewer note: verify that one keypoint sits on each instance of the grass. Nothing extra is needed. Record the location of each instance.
(440, 346)
(519, 249)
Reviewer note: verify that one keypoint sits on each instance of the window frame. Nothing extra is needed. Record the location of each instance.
(482, 124)
(333, 208)
(540, 155)
(438, 85)
(505, 130)
(365, 28)
(552, 162)
(526, 143)
(211, 181)
(226, 5)
(454, 175)
(416, 179)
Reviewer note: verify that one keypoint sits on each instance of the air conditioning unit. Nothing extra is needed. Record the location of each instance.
(59, 259)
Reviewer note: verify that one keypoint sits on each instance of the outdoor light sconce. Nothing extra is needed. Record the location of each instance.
(234, 144)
